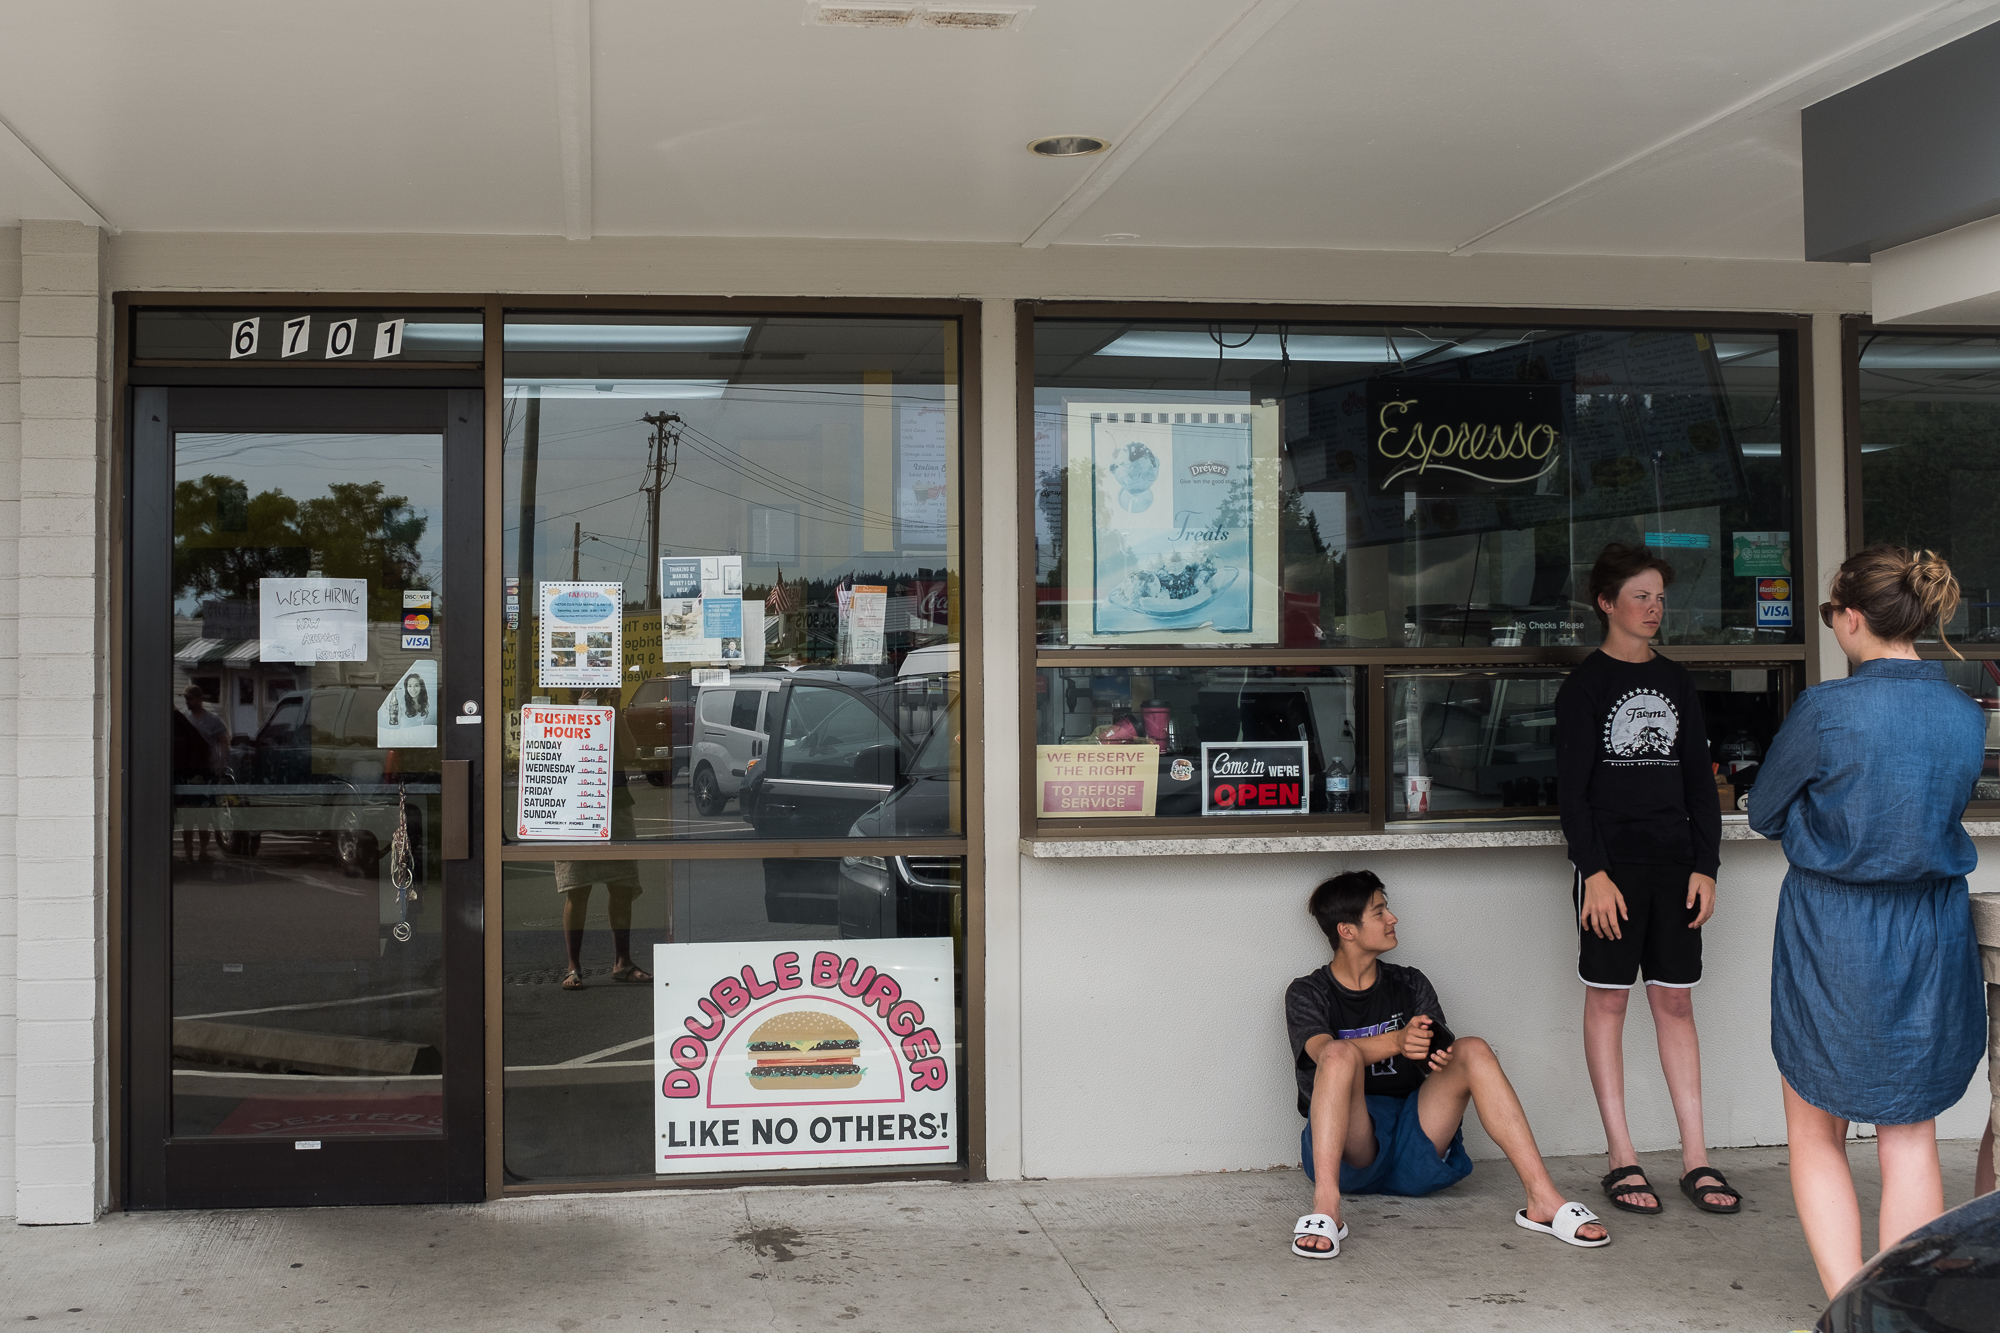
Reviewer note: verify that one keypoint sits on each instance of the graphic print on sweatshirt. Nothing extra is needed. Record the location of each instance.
(1393, 1023)
(1641, 728)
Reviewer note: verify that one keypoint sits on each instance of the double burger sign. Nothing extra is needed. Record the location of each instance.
(809, 1054)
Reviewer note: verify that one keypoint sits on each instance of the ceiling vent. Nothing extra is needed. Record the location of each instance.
(965, 18)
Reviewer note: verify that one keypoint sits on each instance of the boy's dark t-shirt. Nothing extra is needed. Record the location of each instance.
(1632, 767)
(1315, 1003)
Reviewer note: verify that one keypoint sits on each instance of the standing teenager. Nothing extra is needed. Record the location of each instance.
(1644, 829)
(1878, 1008)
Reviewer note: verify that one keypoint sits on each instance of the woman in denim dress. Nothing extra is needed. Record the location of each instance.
(1877, 1002)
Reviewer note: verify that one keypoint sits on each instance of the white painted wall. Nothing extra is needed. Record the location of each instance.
(10, 526)
(1153, 1031)
(60, 684)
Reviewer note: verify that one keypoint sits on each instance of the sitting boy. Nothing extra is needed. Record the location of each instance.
(1384, 1109)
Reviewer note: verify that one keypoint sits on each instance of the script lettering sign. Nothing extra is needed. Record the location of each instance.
(1459, 436)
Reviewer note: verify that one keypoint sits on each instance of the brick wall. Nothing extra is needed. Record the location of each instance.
(55, 497)
(10, 524)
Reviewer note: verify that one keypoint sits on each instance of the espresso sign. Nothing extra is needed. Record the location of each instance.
(1254, 778)
(1459, 436)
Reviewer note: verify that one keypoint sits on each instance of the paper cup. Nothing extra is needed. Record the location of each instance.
(1417, 795)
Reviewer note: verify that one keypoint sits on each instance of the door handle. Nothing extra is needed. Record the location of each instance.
(456, 831)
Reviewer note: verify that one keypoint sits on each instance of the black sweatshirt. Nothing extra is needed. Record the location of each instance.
(1632, 767)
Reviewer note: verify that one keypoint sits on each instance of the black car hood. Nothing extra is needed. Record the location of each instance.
(1941, 1278)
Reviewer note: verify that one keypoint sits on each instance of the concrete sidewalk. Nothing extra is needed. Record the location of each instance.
(1161, 1253)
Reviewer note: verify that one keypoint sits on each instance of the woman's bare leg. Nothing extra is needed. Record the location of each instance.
(1912, 1179)
(1982, 1171)
(1823, 1190)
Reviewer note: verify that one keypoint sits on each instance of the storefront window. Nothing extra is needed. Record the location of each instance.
(739, 539)
(1930, 461)
(1252, 538)
(1187, 741)
(1365, 486)
(587, 1095)
(1481, 744)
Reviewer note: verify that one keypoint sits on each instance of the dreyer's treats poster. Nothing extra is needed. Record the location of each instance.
(583, 627)
(1173, 522)
(815, 1053)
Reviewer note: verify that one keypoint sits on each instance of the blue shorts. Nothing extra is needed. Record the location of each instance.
(1406, 1161)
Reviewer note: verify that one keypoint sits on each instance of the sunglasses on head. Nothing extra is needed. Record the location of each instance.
(1826, 610)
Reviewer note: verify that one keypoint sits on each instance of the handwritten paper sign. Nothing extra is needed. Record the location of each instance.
(312, 620)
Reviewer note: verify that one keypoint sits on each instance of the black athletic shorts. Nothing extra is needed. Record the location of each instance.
(1656, 940)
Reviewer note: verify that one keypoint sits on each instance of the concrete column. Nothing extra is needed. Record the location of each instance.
(59, 826)
(1000, 674)
(10, 519)
(1826, 491)
(1986, 921)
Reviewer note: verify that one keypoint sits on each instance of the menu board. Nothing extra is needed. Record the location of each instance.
(565, 777)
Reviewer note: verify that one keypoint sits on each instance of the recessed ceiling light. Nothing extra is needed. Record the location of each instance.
(1068, 145)
(1117, 236)
(904, 13)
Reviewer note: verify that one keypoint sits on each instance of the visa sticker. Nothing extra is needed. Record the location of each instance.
(419, 643)
(1774, 603)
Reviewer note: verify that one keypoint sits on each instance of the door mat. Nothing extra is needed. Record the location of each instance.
(333, 1115)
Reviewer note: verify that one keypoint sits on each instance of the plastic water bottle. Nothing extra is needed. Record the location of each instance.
(1338, 782)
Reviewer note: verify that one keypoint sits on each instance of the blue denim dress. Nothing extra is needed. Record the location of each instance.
(1877, 1002)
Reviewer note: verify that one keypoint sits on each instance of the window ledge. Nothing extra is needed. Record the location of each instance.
(1541, 833)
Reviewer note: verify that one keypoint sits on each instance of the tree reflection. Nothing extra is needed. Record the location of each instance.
(225, 540)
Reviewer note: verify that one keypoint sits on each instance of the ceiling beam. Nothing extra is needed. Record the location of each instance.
(1258, 18)
(1879, 51)
(571, 30)
(36, 167)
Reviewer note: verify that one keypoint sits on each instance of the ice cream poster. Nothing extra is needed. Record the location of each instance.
(1172, 523)
(810, 1054)
(583, 626)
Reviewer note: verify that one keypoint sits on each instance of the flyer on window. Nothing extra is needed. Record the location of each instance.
(702, 610)
(565, 777)
(1172, 532)
(803, 1054)
(583, 625)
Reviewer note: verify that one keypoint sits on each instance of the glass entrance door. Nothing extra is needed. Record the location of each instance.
(305, 712)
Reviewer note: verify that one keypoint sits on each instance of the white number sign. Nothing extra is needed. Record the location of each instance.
(340, 337)
(243, 338)
(389, 338)
(298, 336)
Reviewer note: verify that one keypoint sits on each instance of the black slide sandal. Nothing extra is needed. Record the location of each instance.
(1619, 1195)
(1721, 1186)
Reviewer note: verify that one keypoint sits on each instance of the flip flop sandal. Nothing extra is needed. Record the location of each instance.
(1318, 1224)
(1621, 1193)
(1697, 1193)
(1563, 1226)
(572, 980)
(630, 974)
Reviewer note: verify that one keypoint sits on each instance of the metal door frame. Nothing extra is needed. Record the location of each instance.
(161, 1172)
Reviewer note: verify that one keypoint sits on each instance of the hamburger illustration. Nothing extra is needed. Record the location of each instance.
(804, 1049)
